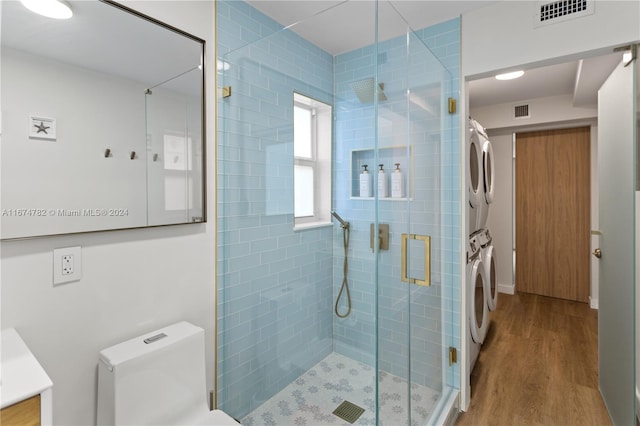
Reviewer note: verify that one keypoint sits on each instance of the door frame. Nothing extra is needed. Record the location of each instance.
(465, 385)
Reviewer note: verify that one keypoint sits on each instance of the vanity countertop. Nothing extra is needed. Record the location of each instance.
(21, 375)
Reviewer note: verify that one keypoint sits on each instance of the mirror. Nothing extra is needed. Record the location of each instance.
(102, 122)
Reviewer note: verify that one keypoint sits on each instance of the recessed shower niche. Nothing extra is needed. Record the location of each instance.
(389, 157)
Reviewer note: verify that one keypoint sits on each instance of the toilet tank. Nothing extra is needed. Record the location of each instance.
(157, 378)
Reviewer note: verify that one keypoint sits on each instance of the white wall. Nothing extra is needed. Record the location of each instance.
(637, 256)
(500, 220)
(34, 172)
(541, 110)
(637, 302)
(133, 281)
(502, 35)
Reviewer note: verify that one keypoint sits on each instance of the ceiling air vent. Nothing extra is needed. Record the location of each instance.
(563, 10)
(521, 111)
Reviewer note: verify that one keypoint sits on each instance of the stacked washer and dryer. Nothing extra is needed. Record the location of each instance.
(482, 290)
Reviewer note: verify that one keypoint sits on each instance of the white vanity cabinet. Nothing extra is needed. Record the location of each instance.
(25, 388)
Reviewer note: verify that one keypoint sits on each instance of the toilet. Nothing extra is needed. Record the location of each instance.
(157, 379)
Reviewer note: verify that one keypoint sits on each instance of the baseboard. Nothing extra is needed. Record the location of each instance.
(593, 302)
(507, 288)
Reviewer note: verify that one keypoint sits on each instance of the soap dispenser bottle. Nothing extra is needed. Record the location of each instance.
(397, 184)
(365, 182)
(382, 182)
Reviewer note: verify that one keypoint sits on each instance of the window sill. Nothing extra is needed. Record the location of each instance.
(382, 198)
(312, 225)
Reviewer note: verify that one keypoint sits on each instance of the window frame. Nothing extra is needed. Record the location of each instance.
(321, 173)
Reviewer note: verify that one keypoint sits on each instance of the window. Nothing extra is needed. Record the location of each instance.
(312, 161)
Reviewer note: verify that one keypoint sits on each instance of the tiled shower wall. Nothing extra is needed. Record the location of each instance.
(276, 287)
(274, 284)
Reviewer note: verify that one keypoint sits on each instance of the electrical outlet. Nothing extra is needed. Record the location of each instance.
(67, 265)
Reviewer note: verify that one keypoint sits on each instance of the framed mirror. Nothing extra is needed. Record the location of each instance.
(102, 121)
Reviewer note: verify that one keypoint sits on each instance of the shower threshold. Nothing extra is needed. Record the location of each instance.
(311, 398)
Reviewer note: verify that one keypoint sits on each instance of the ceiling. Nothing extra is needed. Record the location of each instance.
(581, 78)
(104, 38)
(354, 19)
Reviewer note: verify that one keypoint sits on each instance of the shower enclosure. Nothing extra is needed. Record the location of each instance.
(284, 356)
(173, 116)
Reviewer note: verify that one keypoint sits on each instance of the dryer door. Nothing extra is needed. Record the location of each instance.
(474, 181)
(488, 171)
(478, 310)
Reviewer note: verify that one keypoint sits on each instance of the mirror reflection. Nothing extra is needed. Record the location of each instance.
(102, 122)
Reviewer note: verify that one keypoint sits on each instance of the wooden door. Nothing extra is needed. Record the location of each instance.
(553, 206)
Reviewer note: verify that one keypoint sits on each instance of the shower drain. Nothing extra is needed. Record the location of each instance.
(348, 411)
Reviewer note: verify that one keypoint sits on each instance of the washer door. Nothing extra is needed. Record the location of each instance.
(478, 310)
(488, 171)
(489, 262)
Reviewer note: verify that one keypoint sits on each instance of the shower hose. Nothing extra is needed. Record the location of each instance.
(345, 284)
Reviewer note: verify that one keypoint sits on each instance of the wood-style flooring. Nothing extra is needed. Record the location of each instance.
(538, 366)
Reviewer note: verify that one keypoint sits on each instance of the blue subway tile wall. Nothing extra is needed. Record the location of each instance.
(277, 287)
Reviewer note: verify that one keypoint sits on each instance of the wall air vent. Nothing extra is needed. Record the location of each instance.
(562, 10)
(521, 111)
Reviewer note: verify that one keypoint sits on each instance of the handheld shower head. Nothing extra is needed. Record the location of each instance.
(343, 223)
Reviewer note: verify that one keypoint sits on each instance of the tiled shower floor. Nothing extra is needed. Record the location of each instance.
(311, 399)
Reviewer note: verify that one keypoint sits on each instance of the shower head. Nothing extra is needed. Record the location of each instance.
(365, 90)
(343, 223)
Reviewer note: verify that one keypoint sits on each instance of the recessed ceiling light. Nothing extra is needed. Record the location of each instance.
(510, 75)
(56, 9)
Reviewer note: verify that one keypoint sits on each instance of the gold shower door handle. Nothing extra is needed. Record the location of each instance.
(427, 259)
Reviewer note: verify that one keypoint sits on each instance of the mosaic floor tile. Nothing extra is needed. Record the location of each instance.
(311, 399)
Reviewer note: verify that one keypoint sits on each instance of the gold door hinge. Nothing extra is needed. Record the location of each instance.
(453, 355)
(226, 91)
(452, 106)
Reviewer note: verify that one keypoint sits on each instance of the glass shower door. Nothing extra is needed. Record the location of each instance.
(412, 127)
